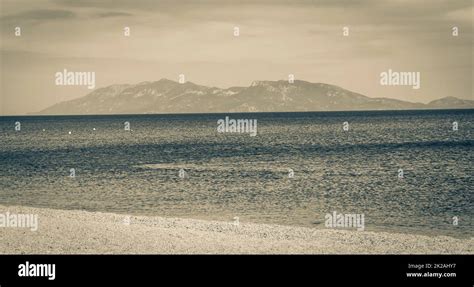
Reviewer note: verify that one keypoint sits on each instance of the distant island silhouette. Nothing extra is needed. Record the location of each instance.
(166, 96)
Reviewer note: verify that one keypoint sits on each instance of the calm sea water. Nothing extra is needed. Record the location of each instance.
(231, 175)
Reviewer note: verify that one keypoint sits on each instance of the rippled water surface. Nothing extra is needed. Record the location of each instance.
(136, 172)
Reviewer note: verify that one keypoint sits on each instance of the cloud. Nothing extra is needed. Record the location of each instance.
(39, 15)
(400, 13)
(113, 14)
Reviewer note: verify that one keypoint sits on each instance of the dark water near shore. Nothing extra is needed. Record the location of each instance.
(136, 172)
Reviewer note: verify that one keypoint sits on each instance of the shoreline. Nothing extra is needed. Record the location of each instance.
(84, 232)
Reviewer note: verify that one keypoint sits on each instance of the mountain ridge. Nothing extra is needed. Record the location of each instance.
(167, 96)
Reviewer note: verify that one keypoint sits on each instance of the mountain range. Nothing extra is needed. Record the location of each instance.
(166, 96)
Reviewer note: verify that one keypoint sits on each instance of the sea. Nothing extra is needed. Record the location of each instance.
(405, 171)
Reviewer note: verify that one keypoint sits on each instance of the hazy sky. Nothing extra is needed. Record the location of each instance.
(196, 38)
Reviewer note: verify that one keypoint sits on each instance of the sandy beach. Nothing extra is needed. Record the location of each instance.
(81, 232)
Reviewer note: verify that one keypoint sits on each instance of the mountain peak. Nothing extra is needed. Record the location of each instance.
(285, 83)
(272, 83)
(257, 83)
(165, 80)
(452, 102)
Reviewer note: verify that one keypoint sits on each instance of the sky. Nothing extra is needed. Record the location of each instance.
(196, 38)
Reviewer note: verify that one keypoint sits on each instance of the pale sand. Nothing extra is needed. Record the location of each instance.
(67, 232)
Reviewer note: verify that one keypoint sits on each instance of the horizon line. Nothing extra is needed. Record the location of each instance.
(224, 113)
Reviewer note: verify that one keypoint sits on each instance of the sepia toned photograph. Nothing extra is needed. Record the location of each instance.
(236, 127)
